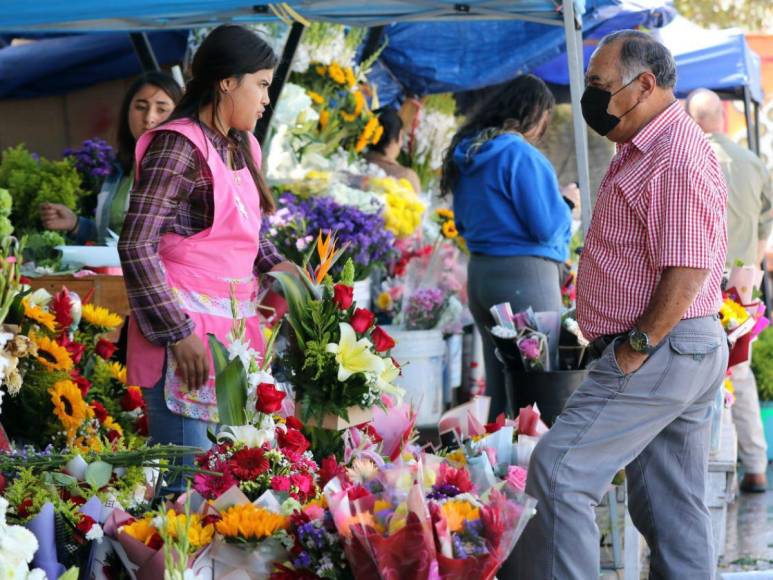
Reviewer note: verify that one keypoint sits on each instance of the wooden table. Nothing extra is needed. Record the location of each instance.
(108, 291)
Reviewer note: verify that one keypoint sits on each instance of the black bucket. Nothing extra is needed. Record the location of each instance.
(549, 390)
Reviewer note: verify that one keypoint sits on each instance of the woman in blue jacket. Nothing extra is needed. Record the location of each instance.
(510, 210)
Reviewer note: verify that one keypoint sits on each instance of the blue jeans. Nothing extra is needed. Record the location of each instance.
(166, 427)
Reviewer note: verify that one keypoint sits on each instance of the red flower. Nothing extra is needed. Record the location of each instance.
(496, 425)
(343, 296)
(382, 342)
(99, 411)
(75, 349)
(83, 383)
(269, 398)
(362, 320)
(105, 349)
(155, 542)
(23, 510)
(294, 423)
(293, 441)
(113, 436)
(303, 482)
(329, 469)
(371, 432)
(248, 464)
(3, 483)
(85, 524)
(62, 307)
(280, 483)
(357, 492)
(142, 425)
(456, 477)
(132, 399)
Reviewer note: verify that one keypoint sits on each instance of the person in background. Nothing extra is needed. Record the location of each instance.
(749, 224)
(192, 240)
(510, 210)
(387, 150)
(148, 102)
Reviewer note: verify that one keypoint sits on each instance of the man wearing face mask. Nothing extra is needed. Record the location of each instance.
(648, 293)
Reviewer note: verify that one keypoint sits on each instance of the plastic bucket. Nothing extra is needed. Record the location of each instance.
(362, 293)
(452, 377)
(421, 353)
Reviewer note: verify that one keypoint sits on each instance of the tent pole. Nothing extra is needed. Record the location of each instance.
(747, 112)
(574, 53)
(281, 74)
(757, 127)
(144, 51)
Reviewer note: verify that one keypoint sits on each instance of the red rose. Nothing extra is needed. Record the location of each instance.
(343, 296)
(329, 469)
(294, 423)
(269, 398)
(382, 342)
(142, 425)
(357, 492)
(99, 411)
(113, 436)
(75, 349)
(23, 510)
(83, 383)
(132, 399)
(293, 441)
(362, 320)
(85, 524)
(105, 349)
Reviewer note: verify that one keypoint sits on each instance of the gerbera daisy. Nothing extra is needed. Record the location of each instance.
(69, 406)
(51, 355)
(39, 316)
(248, 464)
(100, 317)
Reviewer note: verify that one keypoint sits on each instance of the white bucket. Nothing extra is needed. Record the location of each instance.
(453, 368)
(362, 293)
(421, 353)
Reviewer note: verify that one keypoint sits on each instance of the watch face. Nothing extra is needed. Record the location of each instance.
(639, 341)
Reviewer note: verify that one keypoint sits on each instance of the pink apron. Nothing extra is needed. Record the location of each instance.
(201, 270)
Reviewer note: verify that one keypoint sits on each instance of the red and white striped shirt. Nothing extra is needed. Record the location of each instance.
(660, 205)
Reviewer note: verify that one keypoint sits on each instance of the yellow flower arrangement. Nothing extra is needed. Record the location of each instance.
(39, 316)
(404, 210)
(51, 354)
(457, 512)
(110, 424)
(336, 73)
(141, 530)
(359, 106)
(732, 314)
(101, 317)
(351, 80)
(198, 535)
(248, 522)
(69, 406)
(315, 97)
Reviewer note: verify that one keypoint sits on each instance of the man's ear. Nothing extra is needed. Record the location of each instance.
(648, 83)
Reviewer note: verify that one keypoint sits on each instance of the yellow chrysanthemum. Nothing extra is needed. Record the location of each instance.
(100, 317)
(141, 530)
(316, 97)
(336, 73)
(324, 118)
(39, 316)
(69, 406)
(449, 230)
(51, 354)
(118, 372)
(457, 512)
(249, 523)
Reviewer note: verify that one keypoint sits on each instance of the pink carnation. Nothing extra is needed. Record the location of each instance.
(280, 483)
(516, 477)
(529, 347)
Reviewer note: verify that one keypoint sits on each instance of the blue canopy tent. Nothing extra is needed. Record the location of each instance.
(20, 16)
(720, 60)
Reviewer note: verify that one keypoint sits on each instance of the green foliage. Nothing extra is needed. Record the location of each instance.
(40, 248)
(753, 15)
(6, 227)
(32, 181)
(6, 202)
(762, 364)
(230, 385)
(347, 276)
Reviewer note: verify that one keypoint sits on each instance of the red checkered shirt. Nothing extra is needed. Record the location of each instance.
(660, 205)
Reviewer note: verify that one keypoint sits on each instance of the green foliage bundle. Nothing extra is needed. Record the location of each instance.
(762, 364)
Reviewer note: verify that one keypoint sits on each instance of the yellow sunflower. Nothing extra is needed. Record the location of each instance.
(51, 354)
(118, 372)
(101, 317)
(316, 97)
(248, 522)
(39, 316)
(444, 213)
(336, 73)
(69, 406)
(350, 78)
(449, 230)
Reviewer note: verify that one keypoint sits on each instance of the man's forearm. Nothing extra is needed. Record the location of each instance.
(673, 296)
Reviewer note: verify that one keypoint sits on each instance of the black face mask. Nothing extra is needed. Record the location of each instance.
(595, 102)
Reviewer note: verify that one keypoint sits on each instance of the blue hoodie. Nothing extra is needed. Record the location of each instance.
(507, 201)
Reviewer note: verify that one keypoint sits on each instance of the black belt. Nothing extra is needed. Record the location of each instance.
(598, 346)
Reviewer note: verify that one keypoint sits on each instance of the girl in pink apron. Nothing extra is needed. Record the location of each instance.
(191, 277)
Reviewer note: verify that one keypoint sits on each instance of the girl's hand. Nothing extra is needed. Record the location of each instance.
(192, 361)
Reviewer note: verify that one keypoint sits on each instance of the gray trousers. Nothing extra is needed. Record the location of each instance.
(522, 281)
(655, 422)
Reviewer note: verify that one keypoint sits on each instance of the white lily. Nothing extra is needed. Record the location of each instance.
(354, 356)
(249, 435)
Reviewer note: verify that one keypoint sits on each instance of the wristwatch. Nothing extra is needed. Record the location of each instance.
(639, 341)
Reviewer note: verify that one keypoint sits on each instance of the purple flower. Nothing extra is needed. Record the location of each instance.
(530, 348)
(94, 160)
(424, 308)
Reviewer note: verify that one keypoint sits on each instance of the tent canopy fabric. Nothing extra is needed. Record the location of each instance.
(89, 15)
(55, 66)
(716, 59)
(434, 57)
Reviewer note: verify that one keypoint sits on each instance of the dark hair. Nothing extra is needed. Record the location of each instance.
(228, 51)
(126, 141)
(517, 105)
(392, 123)
(639, 52)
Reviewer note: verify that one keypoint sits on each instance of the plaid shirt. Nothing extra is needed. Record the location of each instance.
(173, 195)
(660, 205)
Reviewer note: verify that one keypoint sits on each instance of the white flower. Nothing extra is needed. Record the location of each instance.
(40, 298)
(17, 547)
(294, 101)
(354, 356)
(95, 533)
(249, 435)
(239, 348)
(4, 338)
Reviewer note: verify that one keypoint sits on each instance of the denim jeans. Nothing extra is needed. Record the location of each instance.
(166, 427)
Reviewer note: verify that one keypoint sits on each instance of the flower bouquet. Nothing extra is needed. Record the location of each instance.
(743, 313)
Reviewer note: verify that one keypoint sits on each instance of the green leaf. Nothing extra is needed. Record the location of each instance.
(297, 295)
(63, 480)
(230, 384)
(98, 474)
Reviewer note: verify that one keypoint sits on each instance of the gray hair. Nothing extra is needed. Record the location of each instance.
(639, 52)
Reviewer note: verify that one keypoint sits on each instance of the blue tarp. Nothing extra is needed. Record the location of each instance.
(89, 15)
(714, 59)
(58, 65)
(433, 57)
